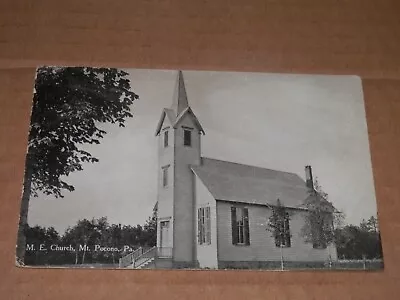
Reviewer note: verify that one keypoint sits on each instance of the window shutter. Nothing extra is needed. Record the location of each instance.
(208, 218)
(246, 225)
(234, 226)
(199, 225)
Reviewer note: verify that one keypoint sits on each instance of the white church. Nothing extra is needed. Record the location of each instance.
(214, 214)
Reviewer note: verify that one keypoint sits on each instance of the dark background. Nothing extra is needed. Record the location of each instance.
(303, 36)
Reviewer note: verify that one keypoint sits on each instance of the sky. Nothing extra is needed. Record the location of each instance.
(276, 121)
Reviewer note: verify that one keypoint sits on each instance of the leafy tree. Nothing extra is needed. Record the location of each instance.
(84, 233)
(358, 242)
(112, 238)
(320, 218)
(150, 229)
(90, 233)
(69, 105)
(36, 236)
(370, 225)
(278, 224)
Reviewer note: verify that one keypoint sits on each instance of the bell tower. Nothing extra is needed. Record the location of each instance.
(179, 146)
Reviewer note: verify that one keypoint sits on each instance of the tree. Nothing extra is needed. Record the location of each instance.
(83, 235)
(371, 225)
(112, 237)
(358, 242)
(69, 105)
(36, 236)
(150, 229)
(278, 225)
(320, 218)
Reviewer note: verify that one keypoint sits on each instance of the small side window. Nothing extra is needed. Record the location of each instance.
(165, 176)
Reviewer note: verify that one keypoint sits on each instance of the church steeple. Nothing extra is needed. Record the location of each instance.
(179, 148)
(180, 101)
(179, 109)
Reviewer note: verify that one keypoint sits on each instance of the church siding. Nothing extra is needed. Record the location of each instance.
(262, 244)
(206, 254)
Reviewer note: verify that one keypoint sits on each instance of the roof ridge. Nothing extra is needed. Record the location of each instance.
(246, 165)
(233, 181)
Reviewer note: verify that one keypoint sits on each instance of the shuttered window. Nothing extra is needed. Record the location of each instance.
(204, 226)
(240, 226)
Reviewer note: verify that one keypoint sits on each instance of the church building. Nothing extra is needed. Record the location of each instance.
(214, 213)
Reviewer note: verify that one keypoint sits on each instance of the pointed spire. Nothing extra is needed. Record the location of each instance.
(180, 102)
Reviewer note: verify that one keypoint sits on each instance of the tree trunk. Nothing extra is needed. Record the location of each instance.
(83, 256)
(23, 219)
(329, 256)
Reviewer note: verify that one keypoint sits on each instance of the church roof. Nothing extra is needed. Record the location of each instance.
(179, 108)
(235, 182)
(170, 114)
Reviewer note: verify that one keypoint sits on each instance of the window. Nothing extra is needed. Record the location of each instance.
(165, 176)
(164, 224)
(165, 138)
(279, 223)
(204, 225)
(187, 137)
(282, 231)
(240, 226)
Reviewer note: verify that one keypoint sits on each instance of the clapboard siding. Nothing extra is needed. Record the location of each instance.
(262, 244)
(206, 254)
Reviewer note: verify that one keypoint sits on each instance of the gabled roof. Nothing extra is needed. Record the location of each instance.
(180, 107)
(230, 181)
(195, 120)
(170, 114)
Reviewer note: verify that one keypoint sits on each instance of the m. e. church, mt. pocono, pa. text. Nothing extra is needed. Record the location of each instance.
(214, 214)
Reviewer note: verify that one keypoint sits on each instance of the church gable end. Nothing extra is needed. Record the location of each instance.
(184, 118)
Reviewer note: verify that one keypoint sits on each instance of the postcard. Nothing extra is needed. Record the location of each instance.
(179, 169)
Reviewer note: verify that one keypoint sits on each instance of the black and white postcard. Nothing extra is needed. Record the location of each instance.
(168, 169)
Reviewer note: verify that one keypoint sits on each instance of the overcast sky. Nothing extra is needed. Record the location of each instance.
(281, 122)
